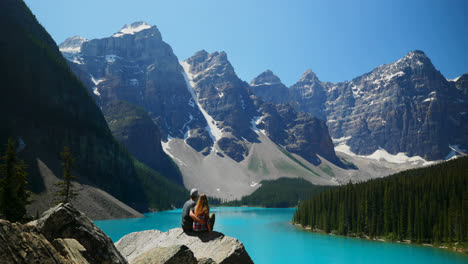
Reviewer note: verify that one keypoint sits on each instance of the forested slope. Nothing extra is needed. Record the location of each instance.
(426, 205)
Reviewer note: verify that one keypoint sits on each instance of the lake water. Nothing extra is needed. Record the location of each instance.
(269, 237)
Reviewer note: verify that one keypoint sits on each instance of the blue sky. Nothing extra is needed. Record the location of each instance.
(337, 39)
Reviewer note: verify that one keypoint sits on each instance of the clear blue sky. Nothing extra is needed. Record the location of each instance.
(337, 39)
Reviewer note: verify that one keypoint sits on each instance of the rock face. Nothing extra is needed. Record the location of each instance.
(406, 106)
(61, 235)
(298, 132)
(462, 83)
(64, 221)
(225, 98)
(24, 244)
(137, 66)
(270, 88)
(134, 128)
(308, 95)
(214, 245)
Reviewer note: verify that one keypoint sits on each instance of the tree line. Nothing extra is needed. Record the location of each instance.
(14, 196)
(426, 205)
(280, 193)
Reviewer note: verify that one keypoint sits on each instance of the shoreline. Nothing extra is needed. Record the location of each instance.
(451, 247)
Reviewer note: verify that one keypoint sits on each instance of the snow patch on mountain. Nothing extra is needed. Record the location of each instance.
(455, 152)
(96, 82)
(72, 45)
(454, 80)
(256, 120)
(95, 91)
(379, 154)
(215, 133)
(132, 29)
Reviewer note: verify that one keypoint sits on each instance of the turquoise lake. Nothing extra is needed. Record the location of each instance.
(269, 237)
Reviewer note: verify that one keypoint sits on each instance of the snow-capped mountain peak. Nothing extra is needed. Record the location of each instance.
(132, 28)
(72, 45)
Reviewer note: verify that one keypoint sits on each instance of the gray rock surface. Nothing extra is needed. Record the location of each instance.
(226, 98)
(298, 132)
(70, 249)
(64, 221)
(270, 88)
(24, 244)
(214, 245)
(166, 255)
(137, 66)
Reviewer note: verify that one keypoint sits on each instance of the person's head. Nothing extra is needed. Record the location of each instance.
(202, 206)
(194, 194)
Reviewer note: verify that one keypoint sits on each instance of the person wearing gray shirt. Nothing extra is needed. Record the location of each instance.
(188, 215)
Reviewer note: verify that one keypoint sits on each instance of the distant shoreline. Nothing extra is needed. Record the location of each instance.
(463, 249)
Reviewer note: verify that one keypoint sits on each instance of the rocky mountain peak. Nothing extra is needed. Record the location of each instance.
(72, 45)
(266, 77)
(309, 76)
(416, 60)
(135, 28)
(211, 63)
(218, 57)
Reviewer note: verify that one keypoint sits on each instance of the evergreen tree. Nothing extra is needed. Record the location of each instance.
(13, 194)
(66, 192)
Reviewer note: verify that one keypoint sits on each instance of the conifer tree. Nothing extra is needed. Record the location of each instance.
(13, 194)
(66, 192)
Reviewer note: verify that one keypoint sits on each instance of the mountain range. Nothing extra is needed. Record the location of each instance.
(402, 107)
(227, 135)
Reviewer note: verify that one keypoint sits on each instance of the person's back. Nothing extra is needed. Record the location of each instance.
(202, 212)
(187, 221)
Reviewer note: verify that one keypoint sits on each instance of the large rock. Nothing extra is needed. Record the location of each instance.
(214, 245)
(64, 221)
(24, 244)
(167, 255)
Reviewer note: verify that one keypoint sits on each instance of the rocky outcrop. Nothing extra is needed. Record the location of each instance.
(308, 95)
(225, 98)
(61, 235)
(65, 222)
(298, 132)
(24, 244)
(205, 246)
(462, 83)
(167, 255)
(269, 87)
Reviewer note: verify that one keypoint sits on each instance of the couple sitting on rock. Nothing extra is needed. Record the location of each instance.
(196, 215)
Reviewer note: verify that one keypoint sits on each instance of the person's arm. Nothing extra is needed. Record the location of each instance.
(209, 224)
(195, 218)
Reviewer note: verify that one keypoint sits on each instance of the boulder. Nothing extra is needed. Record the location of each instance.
(167, 255)
(64, 221)
(70, 249)
(24, 244)
(216, 246)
